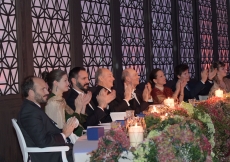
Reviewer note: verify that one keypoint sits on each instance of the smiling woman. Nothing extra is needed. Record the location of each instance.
(56, 107)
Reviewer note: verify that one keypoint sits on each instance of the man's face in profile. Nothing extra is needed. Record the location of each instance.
(82, 81)
(40, 91)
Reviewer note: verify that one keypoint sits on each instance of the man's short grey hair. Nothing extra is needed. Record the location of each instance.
(97, 74)
(125, 73)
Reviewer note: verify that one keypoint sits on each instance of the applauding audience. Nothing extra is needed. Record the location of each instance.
(192, 90)
(104, 80)
(56, 107)
(220, 82)
(160, 92)
(79, 81)
(37, 128)
(139, 100)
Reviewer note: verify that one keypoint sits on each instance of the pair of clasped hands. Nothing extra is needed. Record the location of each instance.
(129, 88)
(206, 74)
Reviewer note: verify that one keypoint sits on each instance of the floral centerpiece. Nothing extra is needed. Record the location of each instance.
(110, 146)
(186, 133)
(174, 139)
(219, 111)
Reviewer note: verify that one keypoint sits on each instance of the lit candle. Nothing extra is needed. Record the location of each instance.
(164, 117)
(219, 93)
(136, 135)
(154, 110)
(169, 102)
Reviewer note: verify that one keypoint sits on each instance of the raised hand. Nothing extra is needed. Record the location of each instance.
(212, 74)
(183, 83)
(87, 97)
(204, 75)
(79, 103)
(102, 98)
(69, 126)
(111, 96)
(178, 85)
(128, 91)
(146, 93)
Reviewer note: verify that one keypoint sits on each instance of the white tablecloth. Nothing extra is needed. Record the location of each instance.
(83, 146)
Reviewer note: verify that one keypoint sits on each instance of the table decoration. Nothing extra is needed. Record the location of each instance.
(219, 93)
(187, 133)
(174, 139)
(110, 146)
(129, 122)
(219, 111)
(169, 102)
(136, 135)
(129, 113)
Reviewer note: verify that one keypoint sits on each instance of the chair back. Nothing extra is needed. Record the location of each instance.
(21, 140)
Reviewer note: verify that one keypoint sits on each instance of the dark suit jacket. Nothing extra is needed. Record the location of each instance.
(194, 89)
(134, 105)
(40, 131)
(95, 115)
(117, 105)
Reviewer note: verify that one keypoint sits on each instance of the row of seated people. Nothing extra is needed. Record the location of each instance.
(40, 131)
(94, 108)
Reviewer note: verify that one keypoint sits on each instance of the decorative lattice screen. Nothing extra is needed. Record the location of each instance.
(8, 49)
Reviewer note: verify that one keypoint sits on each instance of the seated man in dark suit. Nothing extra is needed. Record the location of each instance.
(37, 128)
(139, 100)
(192, 90)
(78, 78)
(104, 80)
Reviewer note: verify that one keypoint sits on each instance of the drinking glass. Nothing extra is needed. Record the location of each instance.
(129, 113)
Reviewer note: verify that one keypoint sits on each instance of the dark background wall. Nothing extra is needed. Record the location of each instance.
(37, 36)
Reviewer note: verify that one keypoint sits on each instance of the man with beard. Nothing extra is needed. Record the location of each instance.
(37, 128)
(78, 78)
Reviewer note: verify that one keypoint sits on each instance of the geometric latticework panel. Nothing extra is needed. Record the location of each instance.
(132, 36)
(186, 35)
(96, 36)
(8, 51)
(205, 25)
(51, 35)
(222, 26)
(161, 14)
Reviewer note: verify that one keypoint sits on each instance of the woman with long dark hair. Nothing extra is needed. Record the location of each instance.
(56, 107)
(220, 82)
(160, 92)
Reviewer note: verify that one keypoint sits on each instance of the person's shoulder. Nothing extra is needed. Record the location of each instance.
(154, 90)
(71, 94)
(29, 107)
(97, 89)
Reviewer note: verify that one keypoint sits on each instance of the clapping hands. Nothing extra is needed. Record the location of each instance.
(81, 101)
(128, 91)
(103, 98)
(212, 74)
(146, 93)
(69, 126)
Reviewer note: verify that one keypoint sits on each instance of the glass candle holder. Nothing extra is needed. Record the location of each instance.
(129, 113)
(136, 135)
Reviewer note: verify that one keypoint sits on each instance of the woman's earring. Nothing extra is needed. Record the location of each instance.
(56, 88)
